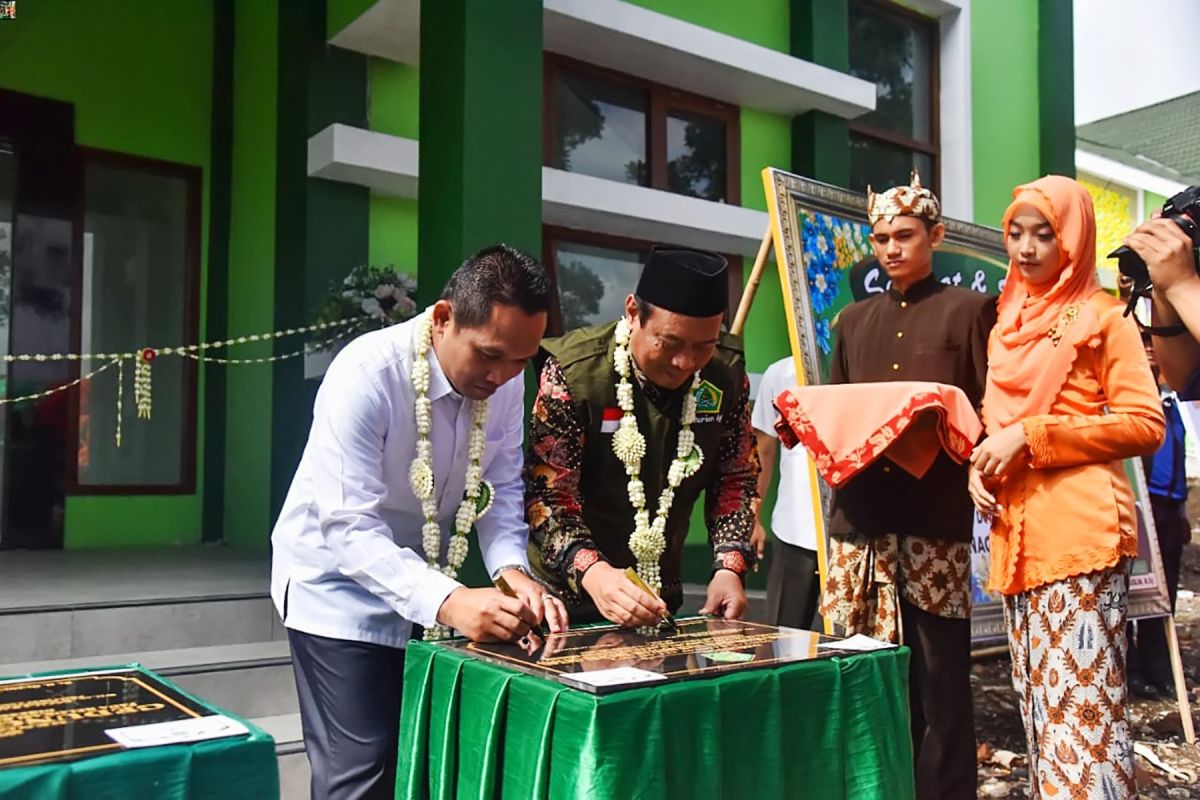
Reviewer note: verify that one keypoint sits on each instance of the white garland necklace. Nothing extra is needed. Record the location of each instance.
(479, 494)
(649, 539)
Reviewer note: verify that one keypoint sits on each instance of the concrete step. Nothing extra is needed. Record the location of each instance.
(252, 679)
(83, 630)
(294, 773)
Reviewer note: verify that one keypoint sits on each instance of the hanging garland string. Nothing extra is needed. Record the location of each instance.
(27, 398)
(143, 358)
(191, 348)
(264, 359)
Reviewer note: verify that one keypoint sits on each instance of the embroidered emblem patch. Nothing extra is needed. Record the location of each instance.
(708, 398)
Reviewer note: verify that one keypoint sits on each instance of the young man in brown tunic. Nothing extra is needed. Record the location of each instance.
(899, 545)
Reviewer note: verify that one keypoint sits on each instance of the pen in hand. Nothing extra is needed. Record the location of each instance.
(501, 584)
(667, 619)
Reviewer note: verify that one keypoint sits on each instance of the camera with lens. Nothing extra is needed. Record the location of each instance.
(1184, 210)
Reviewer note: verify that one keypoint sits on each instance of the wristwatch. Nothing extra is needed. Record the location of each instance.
(518, 567)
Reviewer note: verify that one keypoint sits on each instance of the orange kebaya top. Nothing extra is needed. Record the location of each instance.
(1070, 510)
(1070, 369)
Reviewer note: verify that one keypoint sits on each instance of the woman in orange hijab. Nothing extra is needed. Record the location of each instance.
(1069, 397)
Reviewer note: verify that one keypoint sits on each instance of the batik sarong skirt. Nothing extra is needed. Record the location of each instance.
(1067, 640)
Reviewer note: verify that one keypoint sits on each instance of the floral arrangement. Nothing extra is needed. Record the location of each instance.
(380, 295)
(831, 246)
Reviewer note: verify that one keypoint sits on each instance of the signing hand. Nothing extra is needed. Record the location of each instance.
(1000, 453)
(543, 604)
(486, 615)
(619, 600)
(983, 498)
(726, 597)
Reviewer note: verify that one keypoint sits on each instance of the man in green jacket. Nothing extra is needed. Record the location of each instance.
(633, 421)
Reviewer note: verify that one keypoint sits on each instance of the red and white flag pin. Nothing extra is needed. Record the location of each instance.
(610, 420)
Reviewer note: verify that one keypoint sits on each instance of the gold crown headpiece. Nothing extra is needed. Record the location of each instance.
(903, 201)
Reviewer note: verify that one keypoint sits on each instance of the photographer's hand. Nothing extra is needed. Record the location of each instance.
(1167, 252)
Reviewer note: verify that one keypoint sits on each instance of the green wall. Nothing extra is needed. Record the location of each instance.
(763, 22)
(766, 142)
(395, 91)
(1004, 89)
(251, 272)
(394, 108)
(1152, 202)
(393, 231)
(139, 76)
(340, 13)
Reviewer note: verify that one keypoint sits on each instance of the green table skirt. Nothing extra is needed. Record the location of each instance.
(831, 728)
(241, 768)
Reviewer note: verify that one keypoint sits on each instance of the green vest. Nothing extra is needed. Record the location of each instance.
(586, 359)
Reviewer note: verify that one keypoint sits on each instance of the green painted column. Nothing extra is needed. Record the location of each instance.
(1056, 87)
(321, 227)
(820, 33)
(480, 132)
(251, 272)
(217, 309)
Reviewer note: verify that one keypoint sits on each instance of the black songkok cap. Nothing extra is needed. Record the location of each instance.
(685, 281)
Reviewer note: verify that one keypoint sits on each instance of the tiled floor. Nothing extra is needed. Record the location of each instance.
(69, 578)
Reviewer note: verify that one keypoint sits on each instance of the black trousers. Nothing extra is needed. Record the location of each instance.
(943, 715)
(792, 586)
(1149, 655)
(350, 713)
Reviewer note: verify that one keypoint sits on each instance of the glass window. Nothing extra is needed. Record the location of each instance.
(600, 128)
(897, 50)
(594, 273)
(621, 128)
(696, 156)
(883, 165)
(593, 282)
(137, 291)
(896, 55)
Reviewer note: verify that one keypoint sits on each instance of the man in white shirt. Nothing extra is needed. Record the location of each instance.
(350, 575)
(793, 581)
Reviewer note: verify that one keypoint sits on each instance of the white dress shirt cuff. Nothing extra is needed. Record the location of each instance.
(504, 552)
(427, 597)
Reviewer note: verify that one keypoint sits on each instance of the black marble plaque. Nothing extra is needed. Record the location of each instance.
(701, 647)
(62, 718)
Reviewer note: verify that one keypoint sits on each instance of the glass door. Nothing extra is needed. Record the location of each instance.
(8, 190)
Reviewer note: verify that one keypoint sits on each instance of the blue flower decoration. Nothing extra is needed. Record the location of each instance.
(820, 258)
(824, 336)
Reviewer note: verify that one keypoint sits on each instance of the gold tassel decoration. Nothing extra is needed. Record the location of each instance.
(141, 382)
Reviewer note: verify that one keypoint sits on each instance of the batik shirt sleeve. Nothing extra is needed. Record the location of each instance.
(553, 499)
(729, 502)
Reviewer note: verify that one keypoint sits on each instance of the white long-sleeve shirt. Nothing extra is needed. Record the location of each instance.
(348, 562)
(792, 521)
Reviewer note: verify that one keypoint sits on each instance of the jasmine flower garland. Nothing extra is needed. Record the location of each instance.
(649, 540)
(479, 494)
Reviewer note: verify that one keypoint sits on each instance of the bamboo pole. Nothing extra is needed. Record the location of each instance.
(760, 262)
(1181, 692)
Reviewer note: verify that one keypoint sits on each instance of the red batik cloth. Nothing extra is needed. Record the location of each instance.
(845, 427)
